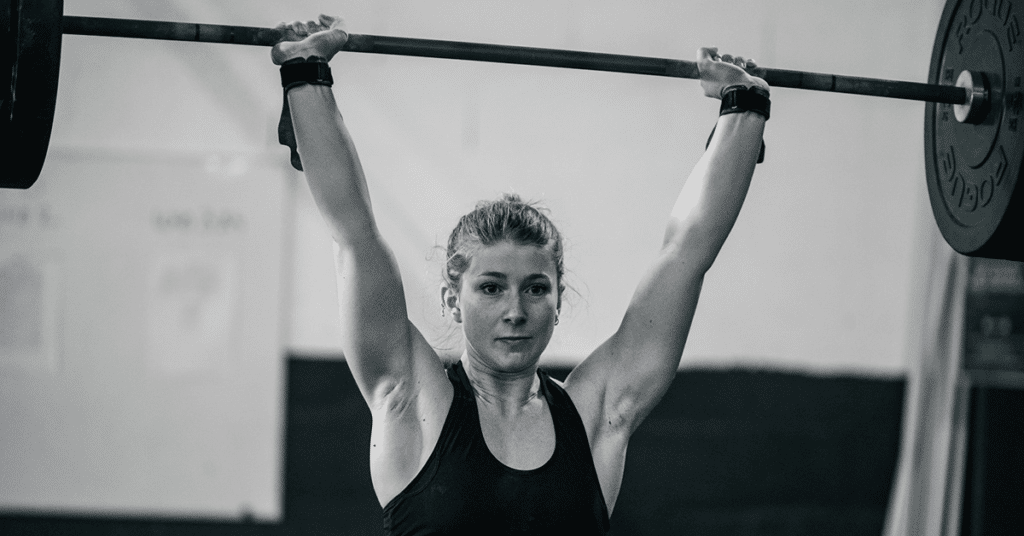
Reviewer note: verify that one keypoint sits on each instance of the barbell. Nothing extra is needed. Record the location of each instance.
(973, 146)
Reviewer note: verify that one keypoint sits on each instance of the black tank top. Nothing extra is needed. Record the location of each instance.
(464, 489)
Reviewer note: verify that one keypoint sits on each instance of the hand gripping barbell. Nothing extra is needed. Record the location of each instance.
(973, 145)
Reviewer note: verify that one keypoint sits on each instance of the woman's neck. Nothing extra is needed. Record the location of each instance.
(508, 392)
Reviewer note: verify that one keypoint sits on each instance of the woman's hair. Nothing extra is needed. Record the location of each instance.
(507, 219)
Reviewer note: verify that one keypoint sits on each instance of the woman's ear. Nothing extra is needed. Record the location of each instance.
(450, 301)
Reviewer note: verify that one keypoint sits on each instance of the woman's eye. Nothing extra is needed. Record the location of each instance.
(489, 288)
(537, 290)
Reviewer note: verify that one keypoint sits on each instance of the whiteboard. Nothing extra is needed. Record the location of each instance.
(141, 361)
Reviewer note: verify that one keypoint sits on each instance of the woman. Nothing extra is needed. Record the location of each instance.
(492, 445)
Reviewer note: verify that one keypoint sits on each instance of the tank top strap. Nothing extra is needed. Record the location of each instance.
(567, 419)
(457, 375)
(556, 396)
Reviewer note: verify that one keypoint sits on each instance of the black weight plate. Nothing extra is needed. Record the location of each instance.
(31, 62)
(974, 171)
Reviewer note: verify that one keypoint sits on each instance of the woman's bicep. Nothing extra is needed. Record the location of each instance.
(634, 367)
(376, 336)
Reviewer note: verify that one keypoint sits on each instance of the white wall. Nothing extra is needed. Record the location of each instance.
(818, 270)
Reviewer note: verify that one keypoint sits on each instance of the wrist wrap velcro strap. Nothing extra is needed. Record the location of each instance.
(312, 70)
(760, 153)
(736, 99)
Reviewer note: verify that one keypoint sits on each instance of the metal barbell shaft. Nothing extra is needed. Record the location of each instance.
(431, 48)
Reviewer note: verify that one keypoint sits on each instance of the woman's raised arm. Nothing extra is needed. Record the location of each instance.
(385, 352)
(627, 375)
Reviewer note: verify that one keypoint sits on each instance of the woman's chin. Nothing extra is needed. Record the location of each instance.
(511, 362)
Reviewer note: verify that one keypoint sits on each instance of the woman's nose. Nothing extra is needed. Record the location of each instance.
(514, 313)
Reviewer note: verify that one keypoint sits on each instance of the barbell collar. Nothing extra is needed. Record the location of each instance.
(976, 109)
(569, 59)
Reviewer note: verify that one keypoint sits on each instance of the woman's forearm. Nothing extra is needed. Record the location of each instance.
(331, 163)
(710, 200)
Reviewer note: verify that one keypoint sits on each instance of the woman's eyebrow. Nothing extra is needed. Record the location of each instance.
(503, 276)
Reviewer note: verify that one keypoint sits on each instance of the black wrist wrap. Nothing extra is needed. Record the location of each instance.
(312, 70)
(736, 99)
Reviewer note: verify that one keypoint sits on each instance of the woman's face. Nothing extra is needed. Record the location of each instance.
(508, 303)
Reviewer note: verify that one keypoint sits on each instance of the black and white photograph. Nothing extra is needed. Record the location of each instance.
(480, 267)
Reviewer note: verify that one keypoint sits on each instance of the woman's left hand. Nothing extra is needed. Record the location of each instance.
(323, 38)
(719, 72)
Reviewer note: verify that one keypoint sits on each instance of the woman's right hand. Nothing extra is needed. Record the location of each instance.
(323, 37)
